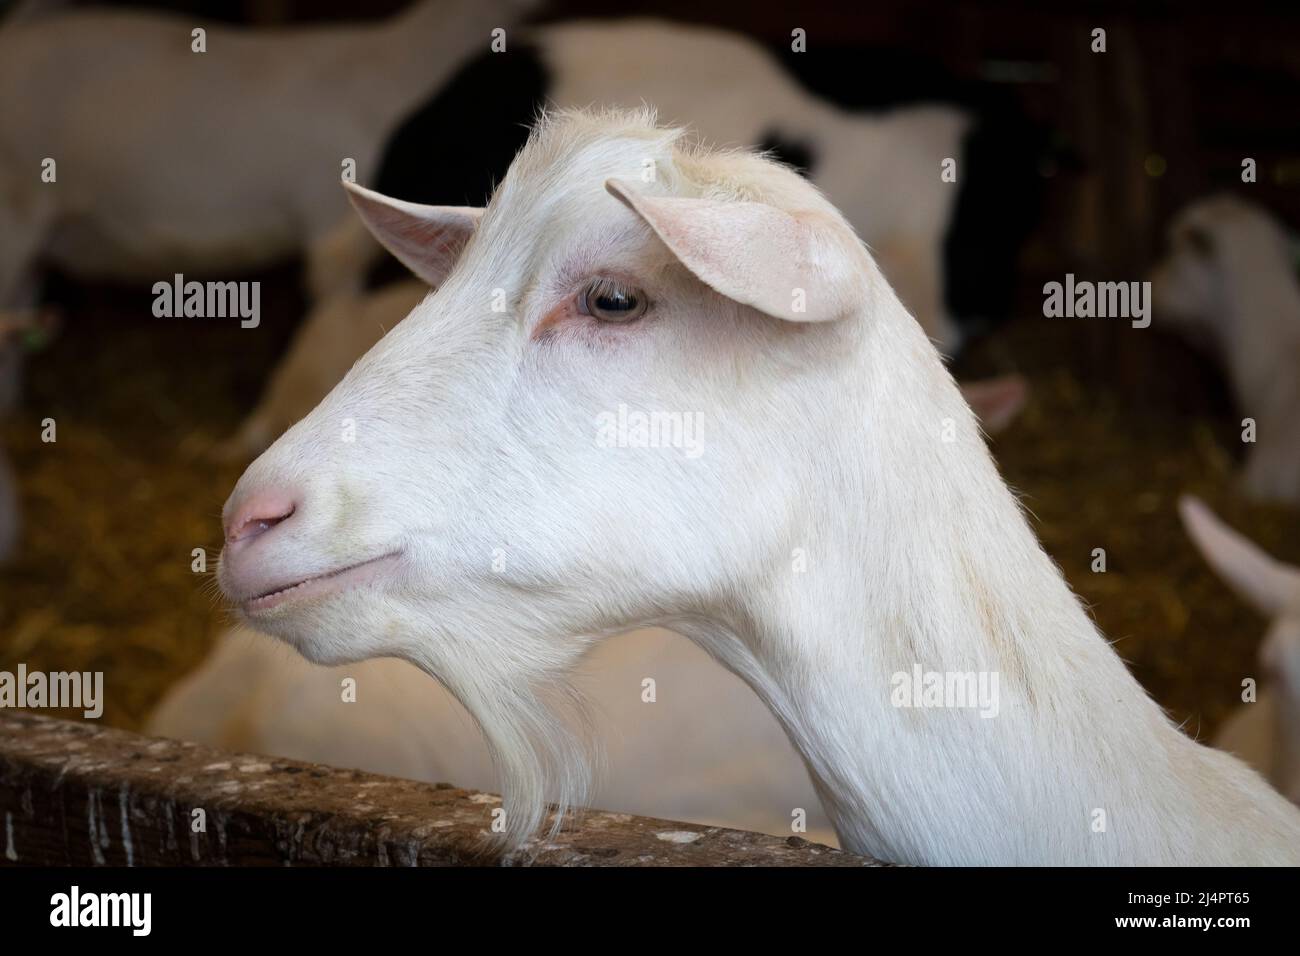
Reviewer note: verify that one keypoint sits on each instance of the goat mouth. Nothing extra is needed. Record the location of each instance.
(319, 585)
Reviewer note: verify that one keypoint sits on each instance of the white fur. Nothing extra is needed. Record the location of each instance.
(1265, 733)
(825, 441)
(341, 329)
(734, 769)
(1229, 279)
(172, 161)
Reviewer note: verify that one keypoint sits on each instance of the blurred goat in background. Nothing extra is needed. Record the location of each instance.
(1266, 732)
(128, 153)
(1229, 282)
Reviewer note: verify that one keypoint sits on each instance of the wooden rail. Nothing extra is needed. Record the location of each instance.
(81, 794)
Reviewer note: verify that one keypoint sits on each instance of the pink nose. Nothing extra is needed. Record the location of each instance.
(256, 515)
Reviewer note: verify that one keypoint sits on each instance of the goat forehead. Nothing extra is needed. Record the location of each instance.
(546, 218)
(536, 199)
(556, 185)
(575, 142)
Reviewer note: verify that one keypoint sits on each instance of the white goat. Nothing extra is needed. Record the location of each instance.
(1229, 278)
(1265, 733)
(169, 160)
(459, 501)
(734, 769)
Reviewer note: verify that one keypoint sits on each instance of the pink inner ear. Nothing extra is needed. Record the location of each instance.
(997, 401)
(446, 247)
(427, 239)
(414, 232)
(436, 238)
(429, 247)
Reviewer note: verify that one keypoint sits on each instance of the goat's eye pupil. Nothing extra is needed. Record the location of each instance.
(616, 301)
(611, 301)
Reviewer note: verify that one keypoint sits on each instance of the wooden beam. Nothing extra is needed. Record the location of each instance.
(82, 794)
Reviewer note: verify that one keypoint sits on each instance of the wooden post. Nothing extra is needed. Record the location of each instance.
(81, 794)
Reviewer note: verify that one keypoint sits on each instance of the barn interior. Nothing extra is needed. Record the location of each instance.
(1087, 157)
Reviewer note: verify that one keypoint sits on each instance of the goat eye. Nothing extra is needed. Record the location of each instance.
(611, 301)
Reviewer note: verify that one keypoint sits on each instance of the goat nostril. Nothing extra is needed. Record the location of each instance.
(256, 521)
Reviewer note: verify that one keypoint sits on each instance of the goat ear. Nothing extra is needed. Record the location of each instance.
(426, 239)
(996, 401)
(802, 267)
(1260, 580)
